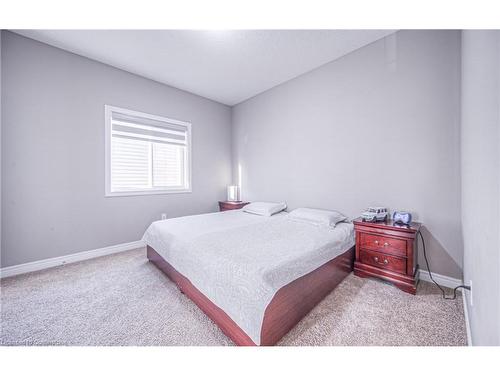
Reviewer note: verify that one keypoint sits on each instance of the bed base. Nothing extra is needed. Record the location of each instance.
(288, 306)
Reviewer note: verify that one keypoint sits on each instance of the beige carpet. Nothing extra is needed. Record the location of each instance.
(123, 299)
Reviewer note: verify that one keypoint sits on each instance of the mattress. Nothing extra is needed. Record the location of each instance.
(240, 260)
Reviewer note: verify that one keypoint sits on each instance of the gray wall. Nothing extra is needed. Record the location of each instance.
(0, 141)
(379, 126)
(53, 152)
(481, 181)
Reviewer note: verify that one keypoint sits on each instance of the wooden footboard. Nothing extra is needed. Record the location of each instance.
(225, 323)
(289, 305)
(293, 301)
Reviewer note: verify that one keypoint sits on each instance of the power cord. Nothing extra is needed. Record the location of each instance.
(434, 281)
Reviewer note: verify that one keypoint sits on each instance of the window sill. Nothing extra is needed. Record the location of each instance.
(145, 192)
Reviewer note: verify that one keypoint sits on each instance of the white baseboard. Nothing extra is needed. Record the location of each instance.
(442, 280)
(467, 322)
(72, 258)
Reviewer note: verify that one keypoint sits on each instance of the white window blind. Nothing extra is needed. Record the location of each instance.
(147, 153)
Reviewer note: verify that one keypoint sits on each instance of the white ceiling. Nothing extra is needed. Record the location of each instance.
(228, 66)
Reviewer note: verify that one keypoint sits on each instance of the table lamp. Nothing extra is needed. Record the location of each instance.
(233, 193)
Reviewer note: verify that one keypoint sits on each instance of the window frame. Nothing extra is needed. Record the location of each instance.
(108, 110)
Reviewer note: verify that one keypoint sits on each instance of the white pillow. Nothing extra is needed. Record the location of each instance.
(318, 217)
(264, 208)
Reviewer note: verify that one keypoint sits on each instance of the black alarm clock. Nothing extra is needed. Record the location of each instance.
(401, 217)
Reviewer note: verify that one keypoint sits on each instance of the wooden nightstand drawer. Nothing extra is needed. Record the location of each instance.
(383, 261)
(228, 205)
(387, 245)
(387, 250)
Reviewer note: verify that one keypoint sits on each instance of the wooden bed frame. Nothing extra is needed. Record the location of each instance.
(288, 306)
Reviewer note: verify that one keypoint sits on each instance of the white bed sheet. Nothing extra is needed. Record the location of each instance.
(240, 260)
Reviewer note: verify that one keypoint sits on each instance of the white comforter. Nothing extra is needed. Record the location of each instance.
(239, 260)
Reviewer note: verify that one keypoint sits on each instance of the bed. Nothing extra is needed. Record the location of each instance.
(254, 276)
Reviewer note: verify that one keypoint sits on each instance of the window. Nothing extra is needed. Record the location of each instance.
(146, 154)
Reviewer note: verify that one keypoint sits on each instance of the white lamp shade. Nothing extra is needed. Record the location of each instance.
(233, 193)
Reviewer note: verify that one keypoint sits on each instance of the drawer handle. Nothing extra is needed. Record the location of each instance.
(376, 242)
(376, 260)
(386, 243)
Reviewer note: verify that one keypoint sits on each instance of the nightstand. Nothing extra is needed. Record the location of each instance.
(387, 251)
(228, 205)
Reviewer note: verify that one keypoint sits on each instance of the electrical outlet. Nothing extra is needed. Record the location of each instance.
(164, 216)
(470, 293)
